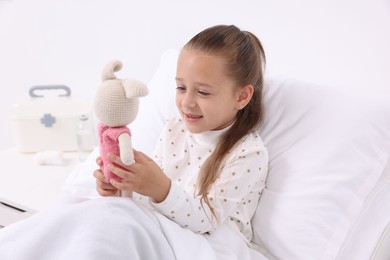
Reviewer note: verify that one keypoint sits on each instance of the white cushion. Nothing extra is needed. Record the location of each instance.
(370, 235)
(327, 151)
(158, 106)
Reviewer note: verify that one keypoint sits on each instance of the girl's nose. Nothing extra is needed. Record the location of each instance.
(188, 100)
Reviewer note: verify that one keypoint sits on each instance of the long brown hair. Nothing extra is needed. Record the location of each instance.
(246, 60)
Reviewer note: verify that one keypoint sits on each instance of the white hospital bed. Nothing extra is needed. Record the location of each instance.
(328, 190)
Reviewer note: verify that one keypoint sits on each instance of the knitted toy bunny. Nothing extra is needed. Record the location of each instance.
(116, 105)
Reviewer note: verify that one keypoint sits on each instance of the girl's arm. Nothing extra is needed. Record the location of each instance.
(241, 183)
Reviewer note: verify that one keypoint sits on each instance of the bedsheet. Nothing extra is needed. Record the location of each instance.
(113, 228)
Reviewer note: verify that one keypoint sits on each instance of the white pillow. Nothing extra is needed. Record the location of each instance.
(370, 235)
(327, 149)
(158, 106)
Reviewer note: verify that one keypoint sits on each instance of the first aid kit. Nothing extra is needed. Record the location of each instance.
(47, 121)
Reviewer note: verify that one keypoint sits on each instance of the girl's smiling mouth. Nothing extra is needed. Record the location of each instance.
(192, 117)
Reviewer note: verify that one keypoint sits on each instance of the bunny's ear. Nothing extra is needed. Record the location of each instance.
(110, 68)
(134, 88)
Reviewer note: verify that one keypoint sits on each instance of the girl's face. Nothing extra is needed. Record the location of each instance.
(206, 97)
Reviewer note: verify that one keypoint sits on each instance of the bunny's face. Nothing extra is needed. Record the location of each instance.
(112, 107)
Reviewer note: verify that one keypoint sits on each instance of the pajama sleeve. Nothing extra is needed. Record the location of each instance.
(233, 197)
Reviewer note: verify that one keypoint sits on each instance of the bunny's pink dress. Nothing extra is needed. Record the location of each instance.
(108, 143)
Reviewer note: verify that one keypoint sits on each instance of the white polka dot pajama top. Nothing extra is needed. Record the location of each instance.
(235, 194)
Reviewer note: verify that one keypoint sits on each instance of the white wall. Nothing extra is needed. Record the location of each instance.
(341, 43)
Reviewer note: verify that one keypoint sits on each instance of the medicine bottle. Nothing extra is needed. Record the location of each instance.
(86, 138)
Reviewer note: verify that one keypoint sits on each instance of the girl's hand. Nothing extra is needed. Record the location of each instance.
(144, 176)
(103, 187)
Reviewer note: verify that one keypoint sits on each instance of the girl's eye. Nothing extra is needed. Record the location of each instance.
(180, 88)
(203, 93)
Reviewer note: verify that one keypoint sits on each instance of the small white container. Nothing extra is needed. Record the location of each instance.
(86, 136)
(48, 122)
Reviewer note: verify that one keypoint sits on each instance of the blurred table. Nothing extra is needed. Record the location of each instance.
(26, 186)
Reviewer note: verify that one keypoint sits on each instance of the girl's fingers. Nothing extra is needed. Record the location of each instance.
(103, 187)
(140, 157)
(106, 186)
(121, 185)
(99, 176)
(99, 161)
(108, 192)
(116, 159)
(121, 173)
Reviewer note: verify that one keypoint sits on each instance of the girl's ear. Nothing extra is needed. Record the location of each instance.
(244, 96)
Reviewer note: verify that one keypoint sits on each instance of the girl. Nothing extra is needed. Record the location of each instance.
(209, 166)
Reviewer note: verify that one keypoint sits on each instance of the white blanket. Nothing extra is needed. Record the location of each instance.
(113, 228)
